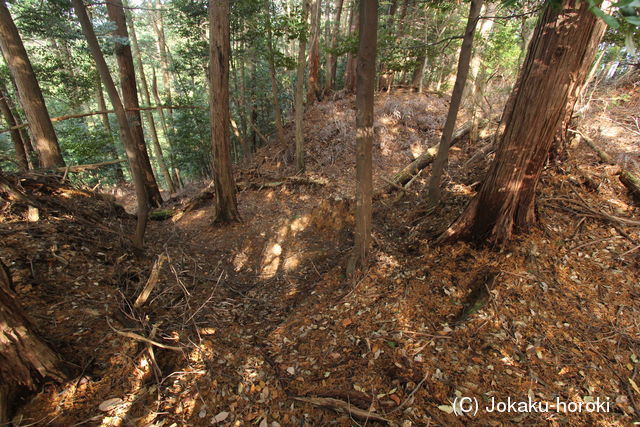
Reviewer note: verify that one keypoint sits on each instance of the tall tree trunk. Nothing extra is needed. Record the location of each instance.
(26, 361)
(560, 53)
(126, 134)
(130, 98)
(113, 152)
(29, 91)
(332, 59)
(366, 71)
(27, 138)
(299, 107)
(422, 59)
(456, 97)
(16, 136)
(165, 63)
(147, 99)
(277, 111)
(219, 52)
(350, 68)
(383, 83)
(245, 118)
(313, 91)
(477, 74)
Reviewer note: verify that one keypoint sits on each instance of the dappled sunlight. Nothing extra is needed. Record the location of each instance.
(611, 131)
(416, 150)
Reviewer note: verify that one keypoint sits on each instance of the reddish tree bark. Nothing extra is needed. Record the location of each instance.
(332, 60)
(313, 91)
(16, 136)
(560, 53)
(350, 68)
(25, 360)
(127, 75)
(126, 134)
(366, 72)
(219, 51)
(29, 91)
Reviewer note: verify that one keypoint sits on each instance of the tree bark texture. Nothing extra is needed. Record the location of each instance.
(366, 72)
(434, 192)
(299, 97)
(219, 52)
(129, 89)
(332, 59)
(350, 68)
(113, 152)
(29, 91)
(277, 110)
(313, 91)
(126, 135)
(562, 48)
(25, 359)
(147, 99)
(16, 137)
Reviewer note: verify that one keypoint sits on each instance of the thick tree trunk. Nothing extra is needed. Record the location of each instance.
(332, 59)
(113, 152)
(25, 360)
(127, 75)
(366, 72)
(299, 101)
(277, 111)
(29, 91)
(350, 68)
(219, 52)
(123, 122)
(16, 136)
(440, 162)
(561, 50)
(147, 99)
(313, 91)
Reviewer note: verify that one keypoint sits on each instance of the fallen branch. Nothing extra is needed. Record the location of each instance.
(628, 179)
(95, 113)
(296, 180)
(631, 181)
(425, 159)
(482, 152)
(151, 282)
(139, 337)
(343, 407)
(604, 157)
(82, 168)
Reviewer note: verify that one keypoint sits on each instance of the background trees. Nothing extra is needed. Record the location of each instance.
(418, 48)
(44, 135)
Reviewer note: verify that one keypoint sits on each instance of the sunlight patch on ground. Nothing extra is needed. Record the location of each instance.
(611, 131)
(271, 260)
(119, 408)
(291, 263)
(416, 150)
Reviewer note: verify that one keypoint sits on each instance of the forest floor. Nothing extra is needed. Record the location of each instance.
(261, 322)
